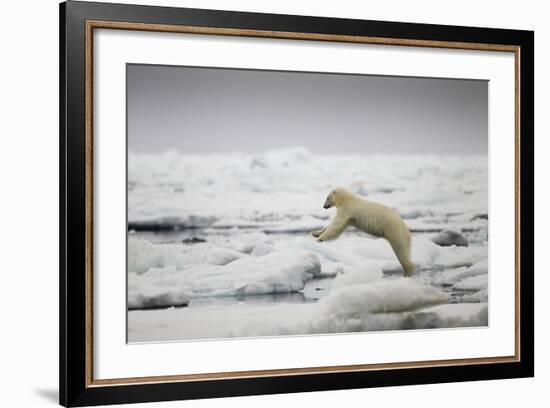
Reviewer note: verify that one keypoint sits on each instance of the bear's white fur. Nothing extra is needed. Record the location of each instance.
(373, 218)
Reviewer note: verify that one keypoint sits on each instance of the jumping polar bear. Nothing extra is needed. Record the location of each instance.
(373, 218)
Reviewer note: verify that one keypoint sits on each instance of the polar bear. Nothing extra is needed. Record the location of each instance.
(373, 218)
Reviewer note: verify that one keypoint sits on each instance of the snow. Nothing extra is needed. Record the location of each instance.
(159, 287)
(454, 315)
(394, 295)
(455, 275)
(246, 242)
(479, 296)
(477, 282)
(336, 315)
(243, 275)
(262, 248)
(284, 189)
(366, 271)
(222, 256)
(143, 255)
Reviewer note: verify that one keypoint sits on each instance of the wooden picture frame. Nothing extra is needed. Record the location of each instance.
(78, 387)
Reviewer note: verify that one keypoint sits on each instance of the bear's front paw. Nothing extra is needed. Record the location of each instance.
(320, 240)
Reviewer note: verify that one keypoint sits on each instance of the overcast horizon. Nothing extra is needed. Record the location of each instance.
(201, 110)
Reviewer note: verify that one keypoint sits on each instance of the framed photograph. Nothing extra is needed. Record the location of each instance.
(256, 203)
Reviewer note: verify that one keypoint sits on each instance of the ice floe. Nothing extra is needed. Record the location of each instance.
(453, 276)
(477, 282)
(450, 237)
(223, 274)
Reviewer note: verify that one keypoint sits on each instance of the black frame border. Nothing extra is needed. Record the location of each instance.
(72, 176)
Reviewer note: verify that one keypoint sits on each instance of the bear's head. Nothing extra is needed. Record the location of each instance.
(337, 197)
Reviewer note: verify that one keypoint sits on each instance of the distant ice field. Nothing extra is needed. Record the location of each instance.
(219, 245)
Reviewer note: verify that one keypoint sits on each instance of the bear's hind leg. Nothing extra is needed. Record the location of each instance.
(403, 252)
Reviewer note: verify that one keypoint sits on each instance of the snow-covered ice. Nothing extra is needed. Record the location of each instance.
(453, 276)
(219, 272)
(282, 190)
(220, 246)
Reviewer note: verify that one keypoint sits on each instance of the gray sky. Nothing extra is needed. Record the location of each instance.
(197, 110)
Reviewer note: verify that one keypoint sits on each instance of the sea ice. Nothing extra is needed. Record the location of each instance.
(252, 214)
(453, 276)
(283, 190)
(479, 296)
(477, 282)
(282, 272)
(159, 287)
(451, 315)
(262, 248)
(366, 271)
(382, 296)
(450, 237)
(383, 305)
(222, 256)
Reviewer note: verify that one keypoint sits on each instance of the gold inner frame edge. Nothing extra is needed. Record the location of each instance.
(93, 24)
